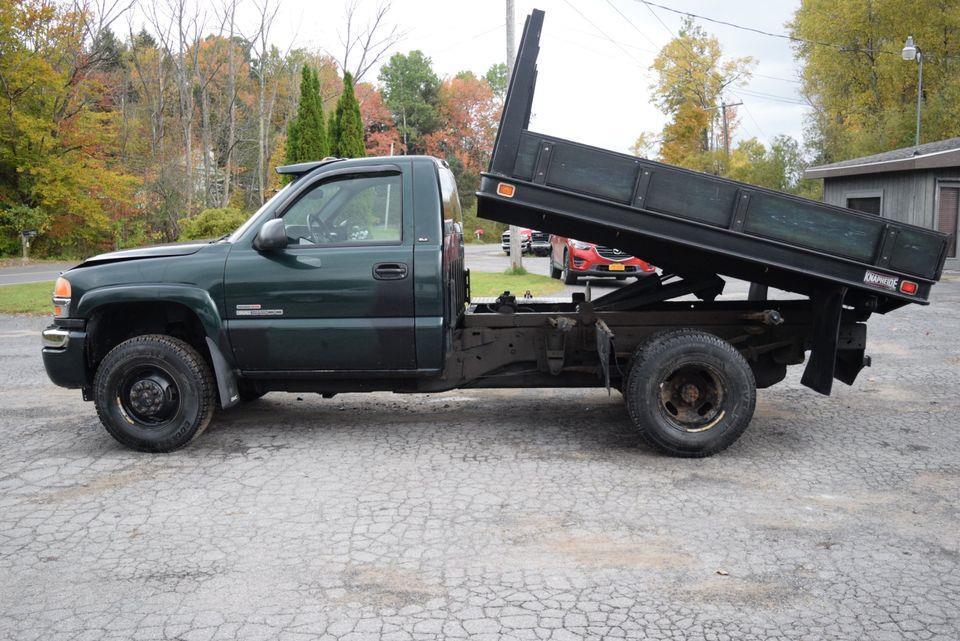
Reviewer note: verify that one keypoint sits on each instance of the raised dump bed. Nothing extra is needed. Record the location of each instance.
(693, 224)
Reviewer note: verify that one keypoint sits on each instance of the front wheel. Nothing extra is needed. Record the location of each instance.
(154, 393)
(689, 393)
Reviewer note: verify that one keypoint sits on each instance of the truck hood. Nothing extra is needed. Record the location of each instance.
(158, 251)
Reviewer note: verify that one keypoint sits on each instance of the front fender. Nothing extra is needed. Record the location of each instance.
(193, 298)
(196, 299)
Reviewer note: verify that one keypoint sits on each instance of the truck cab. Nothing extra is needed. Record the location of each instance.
(357, 252)
(354, 270)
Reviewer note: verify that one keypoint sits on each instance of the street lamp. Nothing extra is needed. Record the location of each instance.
(912, 52)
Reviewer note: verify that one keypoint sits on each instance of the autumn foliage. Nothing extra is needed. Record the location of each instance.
(173, 131)
(469, 114)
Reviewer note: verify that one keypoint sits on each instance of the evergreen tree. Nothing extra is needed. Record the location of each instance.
(332, 134)
(306, 133)
(349, 125)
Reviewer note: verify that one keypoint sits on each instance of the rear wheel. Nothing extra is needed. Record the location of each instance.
(689, 393)
(568, 276)
(154, 393)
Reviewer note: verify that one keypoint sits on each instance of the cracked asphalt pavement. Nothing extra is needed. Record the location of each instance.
(493, 514)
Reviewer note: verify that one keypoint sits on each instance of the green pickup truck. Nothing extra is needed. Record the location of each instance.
(352, 279)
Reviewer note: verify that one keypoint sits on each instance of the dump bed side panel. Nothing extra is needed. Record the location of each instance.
(676, 217)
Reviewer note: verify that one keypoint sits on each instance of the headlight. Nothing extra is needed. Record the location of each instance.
(580, 244)
(61, 297)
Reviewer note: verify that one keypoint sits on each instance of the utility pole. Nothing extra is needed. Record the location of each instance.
(726, 127)
(516, 257)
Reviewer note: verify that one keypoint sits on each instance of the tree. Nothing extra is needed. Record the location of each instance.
(780, 167)
(212, 223)
(497, 77)
(307, 132)
(469, 112)
(380, 132)
(644, 145)
(369, 43)
(411, 90)
(19, 219)
(863, 94)
(348, 129)
(55, 137)
(691, 76)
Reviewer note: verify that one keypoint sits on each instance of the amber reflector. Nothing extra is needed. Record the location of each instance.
(62, 288)
(506, 190)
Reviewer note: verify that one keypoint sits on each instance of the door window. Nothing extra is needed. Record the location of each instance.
(347, 210)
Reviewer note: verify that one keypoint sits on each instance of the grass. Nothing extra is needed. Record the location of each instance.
(28, 298)
(486, 284)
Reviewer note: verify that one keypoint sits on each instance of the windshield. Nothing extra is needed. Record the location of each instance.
(245, 226)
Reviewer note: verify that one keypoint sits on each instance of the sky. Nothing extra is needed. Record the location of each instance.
(594, 65)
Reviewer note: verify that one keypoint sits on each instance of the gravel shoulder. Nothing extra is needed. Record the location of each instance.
(514, 514)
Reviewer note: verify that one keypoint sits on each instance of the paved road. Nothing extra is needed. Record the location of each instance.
(493, 514)
(32, 273)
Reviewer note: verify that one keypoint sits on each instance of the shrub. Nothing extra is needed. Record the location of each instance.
(211, 223)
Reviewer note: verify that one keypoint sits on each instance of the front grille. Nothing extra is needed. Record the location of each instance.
(613, 254)
(539, 236)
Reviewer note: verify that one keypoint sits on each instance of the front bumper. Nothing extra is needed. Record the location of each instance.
(604, 273)
(64, 356)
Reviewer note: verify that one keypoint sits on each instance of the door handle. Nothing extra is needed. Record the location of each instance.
(390, 271)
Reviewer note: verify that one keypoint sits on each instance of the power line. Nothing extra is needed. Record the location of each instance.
(630, 22)
(471, 38)
(782, 36)
(755, 121)
(602, 32)
(770, 96)
(604, 35)
(656, 52)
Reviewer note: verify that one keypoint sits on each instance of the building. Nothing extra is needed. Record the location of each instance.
(917, 185)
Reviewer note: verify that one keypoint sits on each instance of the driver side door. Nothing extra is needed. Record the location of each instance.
(340, 295)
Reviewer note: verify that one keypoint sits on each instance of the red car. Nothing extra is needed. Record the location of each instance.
(570, 259)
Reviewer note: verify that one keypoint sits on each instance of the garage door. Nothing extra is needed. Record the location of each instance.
(947, 216)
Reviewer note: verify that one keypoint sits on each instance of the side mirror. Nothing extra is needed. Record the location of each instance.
(272, 235)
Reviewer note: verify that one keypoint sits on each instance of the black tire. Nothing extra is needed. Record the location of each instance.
(567, 275)
(154, 393)
(555, 271)
(689, 393)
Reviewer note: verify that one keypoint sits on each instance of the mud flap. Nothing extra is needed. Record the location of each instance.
(827, 308)
(226, 377)
(604, 347)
